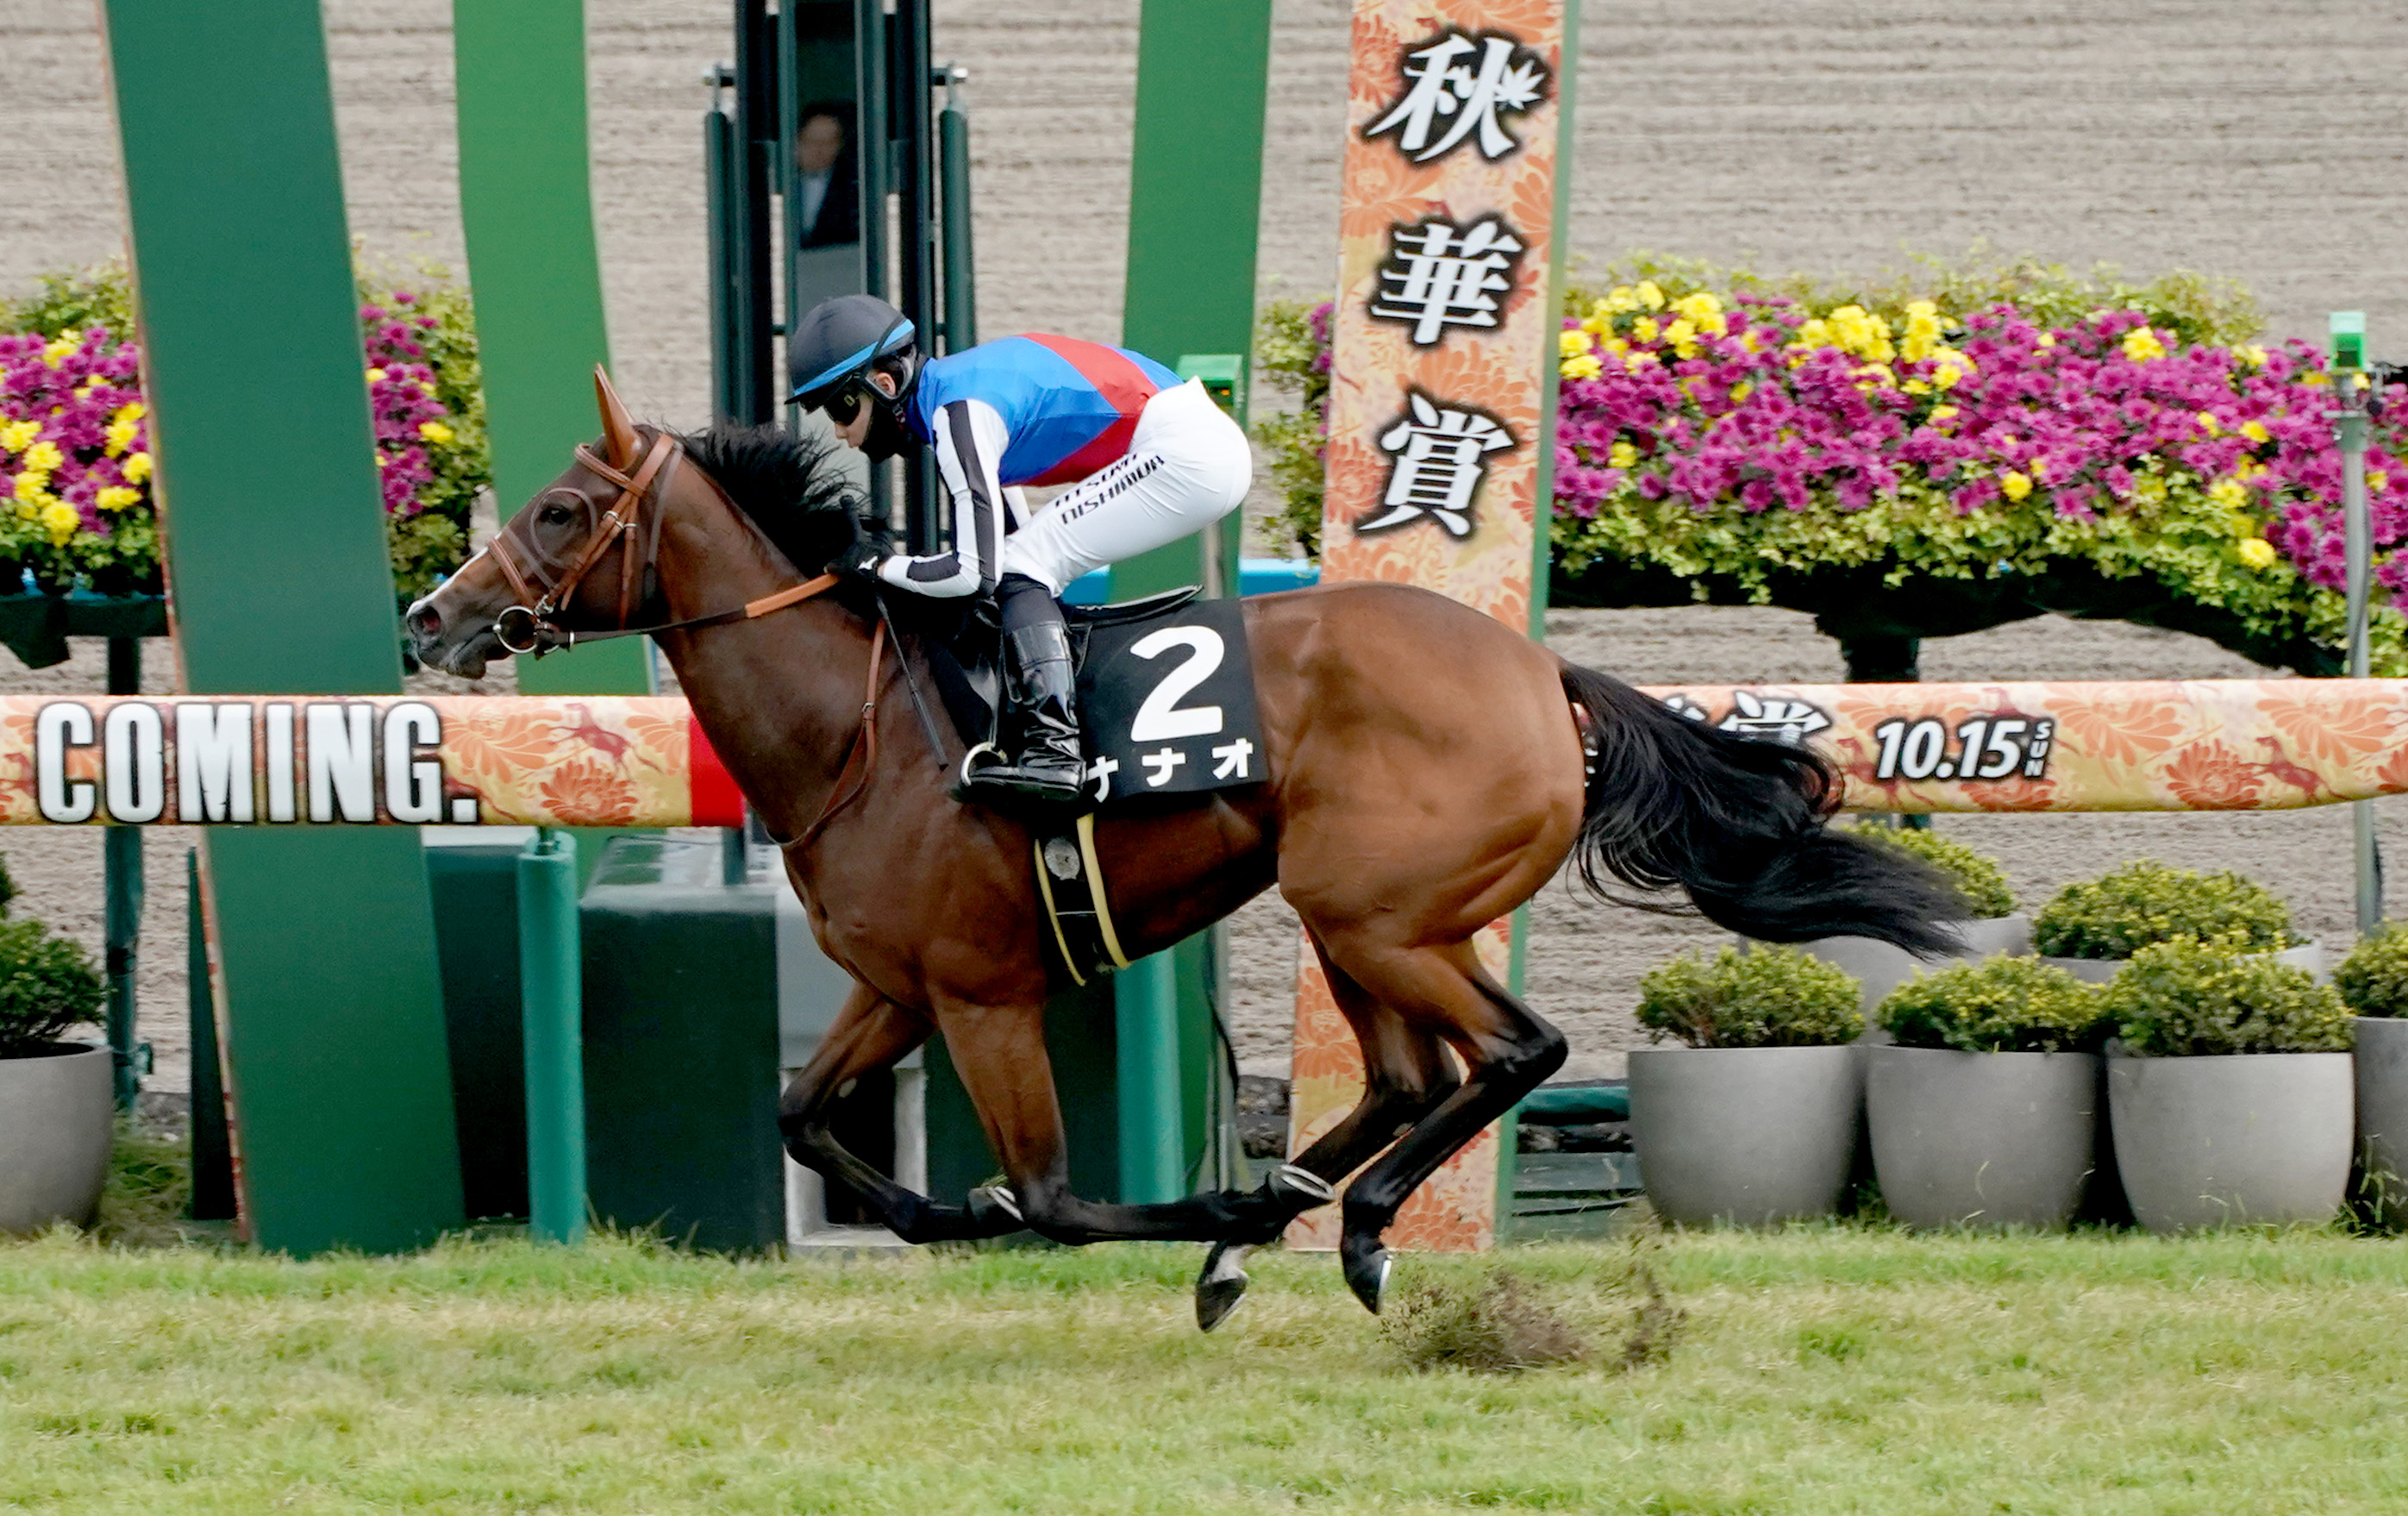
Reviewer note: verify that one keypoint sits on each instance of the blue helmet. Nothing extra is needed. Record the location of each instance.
(836, 344)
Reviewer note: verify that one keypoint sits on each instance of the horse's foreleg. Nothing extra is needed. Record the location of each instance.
(1509, 1050)
(871, 1033)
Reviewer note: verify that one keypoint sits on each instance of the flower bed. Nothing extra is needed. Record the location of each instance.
(1924, 464)
(75, 439)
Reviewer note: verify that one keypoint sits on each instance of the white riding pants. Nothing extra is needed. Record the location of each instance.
(1187, 465)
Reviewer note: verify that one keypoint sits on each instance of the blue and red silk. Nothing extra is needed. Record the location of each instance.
(1069, 407)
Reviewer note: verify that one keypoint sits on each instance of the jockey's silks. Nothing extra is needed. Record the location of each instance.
(1069, 407)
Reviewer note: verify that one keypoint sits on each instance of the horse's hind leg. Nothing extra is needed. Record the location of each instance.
(1507, 1051)
(870, 1033)
(1406, 1073)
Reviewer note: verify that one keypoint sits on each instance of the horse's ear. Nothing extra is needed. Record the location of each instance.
(617, 428)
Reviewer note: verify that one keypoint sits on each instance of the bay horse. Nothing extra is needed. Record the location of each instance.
(1427, 770)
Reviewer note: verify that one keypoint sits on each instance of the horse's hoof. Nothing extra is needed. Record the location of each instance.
(1221, 1284)
(1366, 1264)
(992, 1206)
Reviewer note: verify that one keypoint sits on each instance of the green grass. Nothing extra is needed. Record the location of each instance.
(1839, 1369)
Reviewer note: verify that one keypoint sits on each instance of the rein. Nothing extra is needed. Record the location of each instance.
(542, 636)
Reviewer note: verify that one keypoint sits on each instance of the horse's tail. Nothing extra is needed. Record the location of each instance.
(1739, 823)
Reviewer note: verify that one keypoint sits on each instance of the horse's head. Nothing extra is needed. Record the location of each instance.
(581, 557)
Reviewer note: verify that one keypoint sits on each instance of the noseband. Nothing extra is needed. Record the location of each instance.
(538, 602)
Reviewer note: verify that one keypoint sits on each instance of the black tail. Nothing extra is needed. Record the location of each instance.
(1739, 823)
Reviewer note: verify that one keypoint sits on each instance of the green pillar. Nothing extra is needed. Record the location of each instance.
(526, 207)
(1195, 182)
(1196, 179)
(266, 475)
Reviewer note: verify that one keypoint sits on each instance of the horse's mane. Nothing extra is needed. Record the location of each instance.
(792, 487)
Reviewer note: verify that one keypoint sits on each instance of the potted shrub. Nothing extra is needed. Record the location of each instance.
(1754, 1120)
(2373, 982)
(1983, 1106)
(2092, 927)
(2229, 1088)
(1990, 926)
(57, 1099)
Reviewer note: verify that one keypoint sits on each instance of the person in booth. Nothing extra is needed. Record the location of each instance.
(1148, 459)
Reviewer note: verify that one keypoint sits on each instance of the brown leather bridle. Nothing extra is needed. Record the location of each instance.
(619, 526)
(538, 602)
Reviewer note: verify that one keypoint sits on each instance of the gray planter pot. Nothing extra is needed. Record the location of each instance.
(1752, 1136)
(2097, 971)
(2382, 1069)
(1982, 1139)
(2242, 1139)
(58, 1121)
(1882, 968)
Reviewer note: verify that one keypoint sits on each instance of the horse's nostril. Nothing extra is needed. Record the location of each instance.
(425, 620)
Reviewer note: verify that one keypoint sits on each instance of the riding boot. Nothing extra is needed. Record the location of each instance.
(1040, 714)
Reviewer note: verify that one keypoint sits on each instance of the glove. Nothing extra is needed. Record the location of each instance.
(861, 560)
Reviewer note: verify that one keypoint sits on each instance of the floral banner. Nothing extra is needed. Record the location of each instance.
(1442, 369)
(389, 760)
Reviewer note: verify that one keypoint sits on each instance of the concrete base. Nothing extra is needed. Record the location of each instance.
(58, 1125)
(2244, 1139)
(1982, 1139)
(1752, 1136)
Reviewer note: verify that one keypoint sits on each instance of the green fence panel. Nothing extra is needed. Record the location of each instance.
(333, 1017)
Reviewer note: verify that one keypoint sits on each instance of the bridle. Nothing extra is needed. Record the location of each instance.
(619, 526)
(538, 601)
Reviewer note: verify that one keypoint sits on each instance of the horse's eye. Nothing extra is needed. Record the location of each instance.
(555, 514)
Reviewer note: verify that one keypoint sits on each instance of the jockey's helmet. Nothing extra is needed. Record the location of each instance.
(837, 343)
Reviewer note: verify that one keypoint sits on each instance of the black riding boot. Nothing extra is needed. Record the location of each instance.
(1040, 712)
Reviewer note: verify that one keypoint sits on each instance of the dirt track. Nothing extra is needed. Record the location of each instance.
(1818, 135)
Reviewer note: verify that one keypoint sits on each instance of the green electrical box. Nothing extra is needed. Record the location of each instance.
(2349, 331)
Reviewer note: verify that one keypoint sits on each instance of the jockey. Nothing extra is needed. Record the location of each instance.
(1148, 459)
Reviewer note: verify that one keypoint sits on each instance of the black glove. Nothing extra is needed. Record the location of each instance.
(862, 558)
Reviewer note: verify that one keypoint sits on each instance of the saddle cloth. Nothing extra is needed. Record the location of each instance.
(1166, 695)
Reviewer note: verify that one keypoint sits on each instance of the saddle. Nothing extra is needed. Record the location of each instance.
(1166, 692)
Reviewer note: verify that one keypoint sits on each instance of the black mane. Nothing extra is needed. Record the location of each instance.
(791, 487)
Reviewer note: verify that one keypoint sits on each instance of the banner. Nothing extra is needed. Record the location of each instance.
(1440, 414)
(607, 762)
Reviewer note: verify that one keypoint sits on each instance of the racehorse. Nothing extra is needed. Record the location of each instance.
(1428, 770)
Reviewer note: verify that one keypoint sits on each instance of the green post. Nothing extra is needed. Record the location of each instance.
(1146, 1016)
(527, 212)
(2348, 330)
(122, 877)
(553, 1000)
(333, 1015)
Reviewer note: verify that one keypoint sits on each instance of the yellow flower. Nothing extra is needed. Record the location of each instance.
(1702, 311)
(1572, 345)
(138, 468)
(57, 351)
(2255, 430)
(2038, 467)
(1649, 295)
(1740, 391)
(120, 436)
(1682, 335)
(2141, 345)
(16, 434)
(33, 489)
(1583, 366)
(44, 456)
(2251, 353)
(1942, 412)
(2046, 340)
(2230, 493)
(1618, 300)
(2378, 479)
(1623, 456)
(115, 498)
(376, 376)
(1749, 340)
(2015, 485)
(1644, 330)
(2256, 552)
(2208, 424)
(60, 519)
(130, 411)
(1915, 386)
(438, 433)
(1948, 366)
